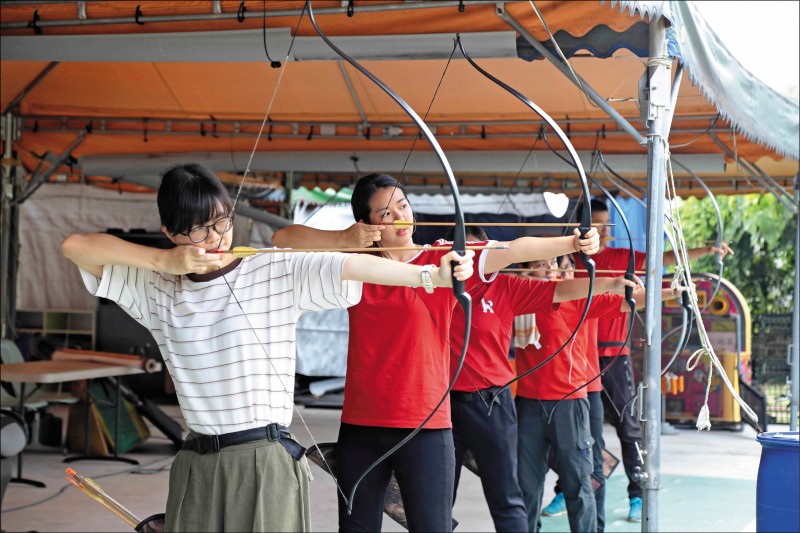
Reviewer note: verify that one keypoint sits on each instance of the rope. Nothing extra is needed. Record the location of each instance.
(703, 418)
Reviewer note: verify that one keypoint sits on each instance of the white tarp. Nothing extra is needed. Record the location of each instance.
(339, 216)
(756, 110)
(45, 279)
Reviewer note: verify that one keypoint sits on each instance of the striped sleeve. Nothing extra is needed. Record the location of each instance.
(130, 288)
(318, 282)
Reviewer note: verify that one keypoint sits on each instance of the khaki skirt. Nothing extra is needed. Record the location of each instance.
(256, 486)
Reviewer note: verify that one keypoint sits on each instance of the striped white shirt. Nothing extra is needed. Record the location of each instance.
(233, 370)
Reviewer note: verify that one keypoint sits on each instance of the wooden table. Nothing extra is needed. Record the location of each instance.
(42, 372)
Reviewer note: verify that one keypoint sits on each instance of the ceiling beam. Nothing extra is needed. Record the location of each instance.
(244, 46)
(143, 18)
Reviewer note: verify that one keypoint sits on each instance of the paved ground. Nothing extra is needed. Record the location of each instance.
(708, 484)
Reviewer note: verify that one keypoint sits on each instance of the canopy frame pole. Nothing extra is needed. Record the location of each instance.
(795, 370)
(39, 178)
(14, 104)
(673, 99)
(354, 96)
(779, 193)
(650, 400)
(363, 7)
(774, 184)
(591, 94)
(9, 225)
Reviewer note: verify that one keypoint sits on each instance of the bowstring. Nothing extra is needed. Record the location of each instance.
(269, 108)
(416, 138)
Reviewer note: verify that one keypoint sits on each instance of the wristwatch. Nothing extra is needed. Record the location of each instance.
(425, 276)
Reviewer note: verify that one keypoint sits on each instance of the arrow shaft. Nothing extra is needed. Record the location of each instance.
(572, 270)
(402, 224)
(244, 251)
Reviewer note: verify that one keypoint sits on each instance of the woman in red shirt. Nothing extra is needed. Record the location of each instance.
(491, 438)
(398, 361)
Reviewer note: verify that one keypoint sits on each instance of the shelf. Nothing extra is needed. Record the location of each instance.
(60, 325)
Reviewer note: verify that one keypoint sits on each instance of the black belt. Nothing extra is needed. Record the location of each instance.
(204, 444)
(485, 394)
(611, 344)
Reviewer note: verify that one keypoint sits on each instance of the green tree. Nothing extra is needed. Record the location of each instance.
(761, 231)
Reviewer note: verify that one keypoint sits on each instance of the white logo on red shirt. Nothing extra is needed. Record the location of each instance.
(487, 306)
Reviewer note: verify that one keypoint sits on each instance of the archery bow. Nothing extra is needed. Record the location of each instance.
(586, 216)
(459, 243)
(629, 275)
(235, 200)
(686, 307)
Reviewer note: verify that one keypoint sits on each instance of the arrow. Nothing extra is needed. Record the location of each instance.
(246, 251)
(408, 224)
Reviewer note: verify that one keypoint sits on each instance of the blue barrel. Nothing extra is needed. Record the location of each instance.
(778, 486)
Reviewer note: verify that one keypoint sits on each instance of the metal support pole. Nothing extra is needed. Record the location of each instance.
(9, 221)
(650, 400)
(795, 370)
(778, 192)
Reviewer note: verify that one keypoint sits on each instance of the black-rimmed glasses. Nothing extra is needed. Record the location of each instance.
(221, 226)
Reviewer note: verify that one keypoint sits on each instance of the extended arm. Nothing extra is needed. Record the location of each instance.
(640, 296)
(697, 253)
(380, 271)
(92, 251)
(358, 235)
(526, 249)
(575, 289)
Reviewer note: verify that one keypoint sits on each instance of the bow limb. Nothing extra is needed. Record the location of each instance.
(720, 229)
(459, 242)
(586, 216)
(686, 313)
(629, 275)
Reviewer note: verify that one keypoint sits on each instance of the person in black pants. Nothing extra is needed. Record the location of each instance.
(618, 383)
(618, 390)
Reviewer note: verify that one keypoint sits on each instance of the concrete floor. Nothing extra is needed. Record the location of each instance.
(705, 477)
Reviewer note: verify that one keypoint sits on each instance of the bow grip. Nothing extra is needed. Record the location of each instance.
(584, 228)
(458, 285)
(629, 291)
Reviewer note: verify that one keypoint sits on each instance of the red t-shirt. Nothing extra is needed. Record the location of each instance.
(568, 369)
(398, 360)
(612, 331)
(604, 306)
(589, 333)
(494, 306)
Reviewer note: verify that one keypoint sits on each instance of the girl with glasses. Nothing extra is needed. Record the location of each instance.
(225, 327)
